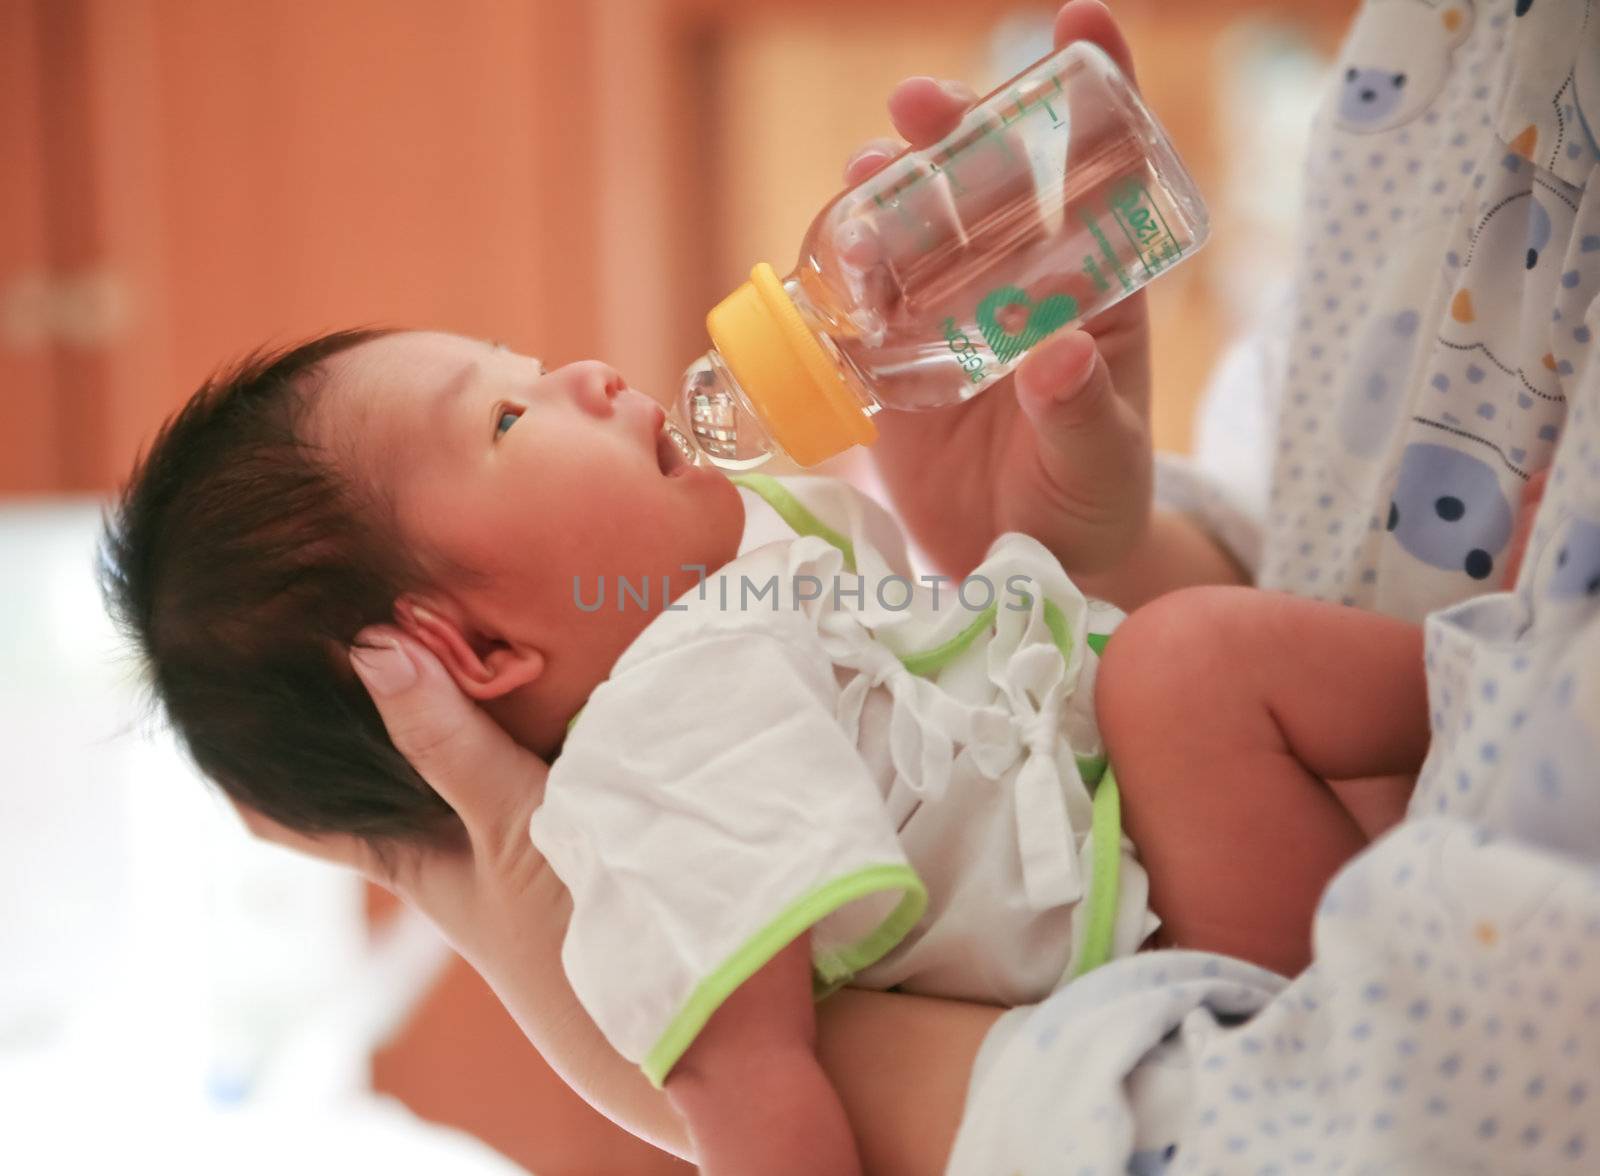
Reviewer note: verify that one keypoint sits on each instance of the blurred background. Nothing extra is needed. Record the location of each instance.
(183, 180)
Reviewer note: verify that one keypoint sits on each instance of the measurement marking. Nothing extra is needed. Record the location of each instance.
(1176, 249)
(1153, 254)
(1116, 215)
(1109, 253)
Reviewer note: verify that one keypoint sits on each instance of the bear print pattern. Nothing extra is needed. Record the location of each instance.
(1398, 59)
(1448, 510)
(1440, 300)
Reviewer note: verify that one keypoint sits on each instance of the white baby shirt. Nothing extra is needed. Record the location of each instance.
(812, 739)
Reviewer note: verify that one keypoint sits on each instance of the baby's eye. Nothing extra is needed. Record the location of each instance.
(505, 418)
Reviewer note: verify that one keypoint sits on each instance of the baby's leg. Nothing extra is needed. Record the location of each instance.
(1226, 711)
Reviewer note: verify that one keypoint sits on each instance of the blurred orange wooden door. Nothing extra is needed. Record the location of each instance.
(30, 416)
(183, 182)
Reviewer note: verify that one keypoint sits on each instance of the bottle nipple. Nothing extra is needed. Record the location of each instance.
(712, 421)
(680, 442)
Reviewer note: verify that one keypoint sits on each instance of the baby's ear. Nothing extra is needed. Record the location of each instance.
(484, 670)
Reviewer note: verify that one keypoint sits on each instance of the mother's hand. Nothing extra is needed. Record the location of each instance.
(900, 1063)
(1061, 449)
(491, 894)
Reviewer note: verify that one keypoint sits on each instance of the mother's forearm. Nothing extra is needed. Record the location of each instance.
(1174, 552)
(900, 1064)
(614, 1086)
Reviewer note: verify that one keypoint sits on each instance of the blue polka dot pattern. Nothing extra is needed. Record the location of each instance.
(1477, 1054)
(1446, 295)
(1471, 370)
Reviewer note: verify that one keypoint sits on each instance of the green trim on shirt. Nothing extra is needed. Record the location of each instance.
(831, 970)
(1105, 828)
(931, 661)
(1091, 768)
(794, 512)
(1056, 622)
(1100, 908)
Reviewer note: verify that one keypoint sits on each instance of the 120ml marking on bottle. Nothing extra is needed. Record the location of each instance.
(1146, 231)
(940, 160)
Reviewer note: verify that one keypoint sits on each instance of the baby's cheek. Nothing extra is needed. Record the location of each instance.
(715, 522)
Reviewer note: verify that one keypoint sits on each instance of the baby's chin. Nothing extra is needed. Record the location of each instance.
(720, 520)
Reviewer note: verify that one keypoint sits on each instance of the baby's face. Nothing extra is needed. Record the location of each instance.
(530, 478)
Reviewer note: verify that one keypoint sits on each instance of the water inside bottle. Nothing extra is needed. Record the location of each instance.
(935, 283)
(929, 281)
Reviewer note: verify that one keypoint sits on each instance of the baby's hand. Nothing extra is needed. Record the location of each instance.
(1522, 529)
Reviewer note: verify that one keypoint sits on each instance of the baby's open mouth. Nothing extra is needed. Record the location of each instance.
(669, 452)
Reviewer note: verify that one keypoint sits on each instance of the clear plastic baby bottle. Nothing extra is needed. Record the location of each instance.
(1056, 196)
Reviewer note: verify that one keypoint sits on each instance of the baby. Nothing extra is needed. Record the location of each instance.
(804, 772)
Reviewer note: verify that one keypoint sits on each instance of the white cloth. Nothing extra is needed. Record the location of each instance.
(1442, 350)
(761, 753)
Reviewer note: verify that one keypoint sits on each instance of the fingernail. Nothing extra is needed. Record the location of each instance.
(870, 152)
(960, 91)
(413, 613)
(1067, 371)
(1076, 380)
(382, 665)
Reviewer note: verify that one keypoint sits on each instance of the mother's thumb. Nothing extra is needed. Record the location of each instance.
(1085, 429)
(461, 752)
(382, 664)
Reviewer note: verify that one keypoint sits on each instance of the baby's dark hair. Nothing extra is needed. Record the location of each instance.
(242, 562)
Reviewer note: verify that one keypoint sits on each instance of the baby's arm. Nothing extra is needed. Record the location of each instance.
(750, 1087)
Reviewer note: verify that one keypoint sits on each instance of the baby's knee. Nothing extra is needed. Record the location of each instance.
(1166, 654)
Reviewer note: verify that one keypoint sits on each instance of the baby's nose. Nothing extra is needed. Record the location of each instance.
(597, 385)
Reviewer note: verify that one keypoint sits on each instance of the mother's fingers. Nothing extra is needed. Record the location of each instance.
(1090, 20)
(870, 157)
(925, 110)
(469, 759)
